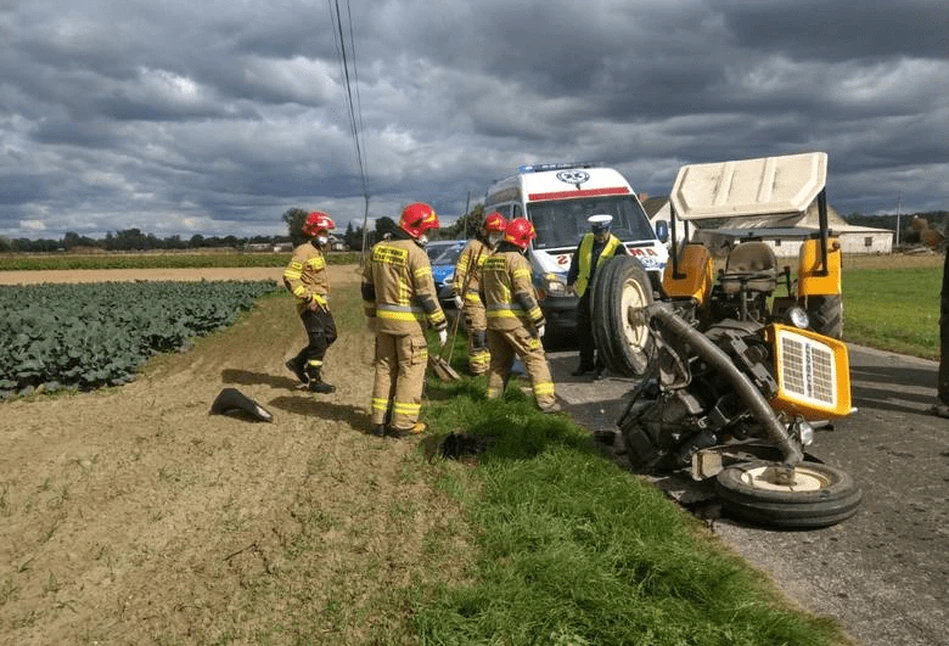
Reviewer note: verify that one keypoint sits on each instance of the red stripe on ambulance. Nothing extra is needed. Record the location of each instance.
(590, 192)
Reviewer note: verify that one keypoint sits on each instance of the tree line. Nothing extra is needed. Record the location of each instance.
(353, 236)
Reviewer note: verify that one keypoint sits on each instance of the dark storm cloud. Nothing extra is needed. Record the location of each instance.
(217, 116)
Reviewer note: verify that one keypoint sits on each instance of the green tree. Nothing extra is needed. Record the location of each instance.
(385, 225)
(467, 225)
(295, 218)
(5, 244)
(353, 237)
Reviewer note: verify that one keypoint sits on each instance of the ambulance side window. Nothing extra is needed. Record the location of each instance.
(503, 209)
(517, 211)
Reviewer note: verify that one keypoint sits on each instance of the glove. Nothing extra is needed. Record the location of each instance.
(318, 302)
(442, 337)
(371, 324)
(540, 331)
(459, 302)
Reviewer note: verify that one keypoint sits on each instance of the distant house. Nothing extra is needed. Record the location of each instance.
(338, 244)
(783, 235)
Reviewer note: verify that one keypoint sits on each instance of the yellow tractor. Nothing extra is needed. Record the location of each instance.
(737, 367)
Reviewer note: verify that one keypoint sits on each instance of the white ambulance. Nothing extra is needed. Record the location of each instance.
(558, 199)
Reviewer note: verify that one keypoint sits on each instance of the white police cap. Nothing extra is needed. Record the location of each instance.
(601, 221)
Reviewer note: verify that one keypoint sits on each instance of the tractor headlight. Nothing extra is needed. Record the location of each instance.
(798, 317)
(555, 285)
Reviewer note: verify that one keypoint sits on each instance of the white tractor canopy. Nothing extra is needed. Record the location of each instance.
(768, 186)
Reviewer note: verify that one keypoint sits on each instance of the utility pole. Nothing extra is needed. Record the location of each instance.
(899, 208)
(465, 214)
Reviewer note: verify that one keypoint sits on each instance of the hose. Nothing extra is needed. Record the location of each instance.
(751, 396)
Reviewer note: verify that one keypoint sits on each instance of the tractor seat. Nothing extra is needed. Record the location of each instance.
(751, 263)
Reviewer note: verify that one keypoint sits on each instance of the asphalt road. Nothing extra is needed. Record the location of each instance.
(882, 574)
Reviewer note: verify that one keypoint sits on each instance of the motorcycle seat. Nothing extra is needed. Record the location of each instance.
(751, 266)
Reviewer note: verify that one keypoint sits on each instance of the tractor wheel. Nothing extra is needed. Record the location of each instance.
(621, 289)
(819, 496)
(827, 315)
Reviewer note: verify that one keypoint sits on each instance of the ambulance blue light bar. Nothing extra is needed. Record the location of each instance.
(537, 168)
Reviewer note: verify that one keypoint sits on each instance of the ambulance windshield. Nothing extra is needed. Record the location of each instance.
(561, 223)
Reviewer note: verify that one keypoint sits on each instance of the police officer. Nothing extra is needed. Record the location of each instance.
(515, 320)
(595, 247)
(306, 279)
(467, 287)
(399, 297)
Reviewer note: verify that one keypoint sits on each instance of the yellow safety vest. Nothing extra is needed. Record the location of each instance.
(586, 255)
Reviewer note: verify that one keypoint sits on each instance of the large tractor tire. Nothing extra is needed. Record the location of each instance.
(820, 495)
(621, 291)
(826, 314)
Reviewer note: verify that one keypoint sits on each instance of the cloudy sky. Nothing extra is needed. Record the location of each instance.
(215, 116)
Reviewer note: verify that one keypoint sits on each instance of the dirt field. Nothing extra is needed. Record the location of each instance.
(132, 516)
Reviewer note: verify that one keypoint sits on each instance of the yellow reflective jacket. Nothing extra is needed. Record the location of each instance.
(398, 289)
(509, 297)
(585, 252)
(468, 268)
(305, 276)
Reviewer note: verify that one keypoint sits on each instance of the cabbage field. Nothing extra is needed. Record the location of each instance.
(84, 336)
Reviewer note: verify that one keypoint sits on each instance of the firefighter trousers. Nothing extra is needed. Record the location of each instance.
(400, 375)
(476, 323)
(320, 333)
(504, 345)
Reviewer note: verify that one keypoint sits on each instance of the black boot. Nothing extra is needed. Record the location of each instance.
(317, 385)
(583, 369)
(298, 367)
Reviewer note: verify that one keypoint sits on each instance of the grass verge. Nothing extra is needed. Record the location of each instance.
(571, 549)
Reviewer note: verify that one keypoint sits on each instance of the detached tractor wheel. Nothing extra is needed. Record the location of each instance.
(826, 314)
(621, 289)
(818, 496)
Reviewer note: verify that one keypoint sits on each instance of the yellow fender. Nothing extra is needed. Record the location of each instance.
(809, 283)
(695, 264)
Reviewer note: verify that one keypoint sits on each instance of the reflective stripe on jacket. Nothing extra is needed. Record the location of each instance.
(398, 288)
(509, 297)
(585, 252)
(470, 263)
(305, 276)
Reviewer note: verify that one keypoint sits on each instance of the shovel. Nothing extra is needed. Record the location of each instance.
(441, 367)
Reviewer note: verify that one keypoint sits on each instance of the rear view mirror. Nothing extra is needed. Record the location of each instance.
(662, 230)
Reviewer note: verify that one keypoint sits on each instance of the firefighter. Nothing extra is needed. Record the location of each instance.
(467, 286)
(399, 298)
(595, 247)
(305, 277)
(515, 321)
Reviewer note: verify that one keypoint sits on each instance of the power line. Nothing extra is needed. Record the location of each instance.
(351, 105)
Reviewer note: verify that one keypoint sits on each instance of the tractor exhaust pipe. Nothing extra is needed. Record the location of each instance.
(757, 404)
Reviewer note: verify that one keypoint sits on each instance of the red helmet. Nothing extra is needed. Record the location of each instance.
(317, 221)
(495, 222)
(418, 218)
(519, 232)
